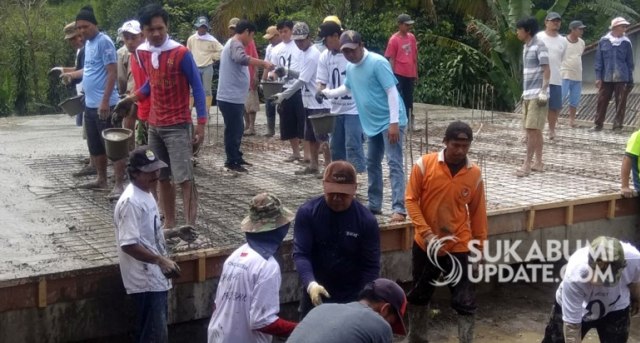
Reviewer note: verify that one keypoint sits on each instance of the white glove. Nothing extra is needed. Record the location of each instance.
(277, 98)
(315, 291)
(542, 98)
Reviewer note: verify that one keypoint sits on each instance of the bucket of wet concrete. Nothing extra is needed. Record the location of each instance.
(271, 88)
(73, 105)
(116, 142)
(322, 123)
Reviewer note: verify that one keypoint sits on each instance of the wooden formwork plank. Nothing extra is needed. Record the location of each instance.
(611, 211)
(569, 216)
(202, 268)
(42, 293)
(531, 220)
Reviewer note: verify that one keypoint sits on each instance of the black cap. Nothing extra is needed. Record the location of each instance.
(329, 28)
(86, 13)
(458, 130)
(553, 16)
(405, 19)
(576, 24)
(143, 159)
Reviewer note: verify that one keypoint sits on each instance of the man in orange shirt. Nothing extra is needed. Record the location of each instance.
(446, 203)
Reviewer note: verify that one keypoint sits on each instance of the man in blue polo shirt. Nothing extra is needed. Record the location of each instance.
(382, 115)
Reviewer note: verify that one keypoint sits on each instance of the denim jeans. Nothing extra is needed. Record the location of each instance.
(346, 141)
(377, 147)
(233, 116)
(152, 317)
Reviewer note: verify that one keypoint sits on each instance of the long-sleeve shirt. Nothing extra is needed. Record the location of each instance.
(446, 205)
(233, 82)
(339, 250)
(168, 87)
(614, 63)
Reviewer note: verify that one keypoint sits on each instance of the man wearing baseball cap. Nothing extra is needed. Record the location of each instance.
(347, 136)
(571, 68)
(375, 317)
(144, 264)
(273, 36)
(206, 52)
(306, 83)
(402, 52)
(600, 290)
(445, 198)
(247, 298)
(614, 72)
(336, 242)
(556, 47)
(383, 118)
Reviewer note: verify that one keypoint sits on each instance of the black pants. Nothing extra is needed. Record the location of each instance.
(405, 88)
(463, 293)
(612, 328)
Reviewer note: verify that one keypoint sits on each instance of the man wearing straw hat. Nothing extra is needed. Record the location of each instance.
(247, 299)
(336, 242)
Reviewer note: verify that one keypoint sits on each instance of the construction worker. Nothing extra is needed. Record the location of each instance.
(600, 290)
(206, 50)
(446, 202)
(247, 299)
(273, 36)
(631, 164)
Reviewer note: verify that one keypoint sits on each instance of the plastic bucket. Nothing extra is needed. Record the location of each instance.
(116, 142)
(322, 123)
(73, 105)
(271, 88)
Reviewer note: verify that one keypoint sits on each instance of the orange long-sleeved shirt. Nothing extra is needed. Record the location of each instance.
(444, 205)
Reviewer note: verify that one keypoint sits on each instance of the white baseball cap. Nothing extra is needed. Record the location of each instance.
(131, 26)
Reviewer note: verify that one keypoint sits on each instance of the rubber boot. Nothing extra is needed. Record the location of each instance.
(271, 126)
(418, 323)
(208, 103)
(465, 328)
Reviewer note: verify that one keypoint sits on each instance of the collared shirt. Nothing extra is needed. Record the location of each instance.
(614, 63)
(446, 205)
(534, 56)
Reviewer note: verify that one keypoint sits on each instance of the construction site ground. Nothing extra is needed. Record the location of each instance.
(49, 225)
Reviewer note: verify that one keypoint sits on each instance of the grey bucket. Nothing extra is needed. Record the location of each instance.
(323, 123)
(271, 88)
(73, 105)
(116, 142)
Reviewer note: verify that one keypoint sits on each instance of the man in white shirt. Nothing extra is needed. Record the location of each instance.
(600, 289)
(273, 36)
(571, 69)
(247, 300)
(556, 45)
(142, 254)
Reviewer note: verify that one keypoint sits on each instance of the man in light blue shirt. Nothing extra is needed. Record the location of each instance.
(100, 95)
(382, 115)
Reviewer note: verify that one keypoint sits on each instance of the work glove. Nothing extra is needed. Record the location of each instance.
(66, 78)
(277, 98)
(542, 99)
(124, 105)
(316, 292)
(54, 70)
(169, 268)
(186, 233)
(320, 97)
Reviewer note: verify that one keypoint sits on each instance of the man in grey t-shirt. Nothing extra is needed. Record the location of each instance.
(233, 87)
(373, 319)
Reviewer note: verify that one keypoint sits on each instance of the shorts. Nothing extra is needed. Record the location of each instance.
(535, 115)
(555, 97)
(292, 117)
(172, 145)
(252, 103)
(94, 127)
(309, 134)
(572, 89)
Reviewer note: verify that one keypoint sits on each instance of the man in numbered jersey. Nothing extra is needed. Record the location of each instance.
(347, 137)
(291, 110)
(306, 82)
(600, 290)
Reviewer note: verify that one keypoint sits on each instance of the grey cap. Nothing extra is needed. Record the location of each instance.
(552, 16)
(405, 19)
(350, 39)
(576, 24)
(300, 31)
(201, 21)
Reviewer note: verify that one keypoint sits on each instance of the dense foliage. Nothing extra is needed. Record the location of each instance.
(467, 47)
